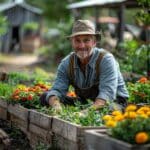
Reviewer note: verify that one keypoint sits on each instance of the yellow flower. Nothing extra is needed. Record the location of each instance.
(141, 137)
(111, 123)
(116, 112)
(148, 113)
(140, 112)
(130, 114)
(119, 118)
(144, 115)
(131, 108)
(145, 109)
(107, 117)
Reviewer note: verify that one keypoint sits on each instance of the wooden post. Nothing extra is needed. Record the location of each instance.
(121, 25)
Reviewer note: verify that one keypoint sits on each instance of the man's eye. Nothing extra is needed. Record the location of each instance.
(86, 40)
(77, 41)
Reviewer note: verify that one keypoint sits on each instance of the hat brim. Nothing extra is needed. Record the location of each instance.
(97, 34)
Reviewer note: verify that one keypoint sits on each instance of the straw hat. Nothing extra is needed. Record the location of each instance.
(84, 27)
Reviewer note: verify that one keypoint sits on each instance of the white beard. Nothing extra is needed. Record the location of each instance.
(83, 54)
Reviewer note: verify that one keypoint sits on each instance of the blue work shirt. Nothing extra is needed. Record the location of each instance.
(111, 82)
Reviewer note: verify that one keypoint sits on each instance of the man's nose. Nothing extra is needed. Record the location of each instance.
(81, 44)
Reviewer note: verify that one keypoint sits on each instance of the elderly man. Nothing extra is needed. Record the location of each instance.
(92, 71)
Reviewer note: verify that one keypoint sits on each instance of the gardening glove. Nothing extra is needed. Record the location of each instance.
(54, 102)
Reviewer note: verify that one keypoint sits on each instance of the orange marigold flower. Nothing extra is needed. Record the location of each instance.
(131, 107)
(141, 137)
(16, 97)
(71, 94)
(143, 80)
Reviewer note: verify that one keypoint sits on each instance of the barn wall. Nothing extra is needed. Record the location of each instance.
(16, 16)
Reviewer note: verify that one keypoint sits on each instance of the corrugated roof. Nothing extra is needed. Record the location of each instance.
(10, 5)
(90, 3)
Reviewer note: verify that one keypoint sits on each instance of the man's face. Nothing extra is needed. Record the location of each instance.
(83, 45)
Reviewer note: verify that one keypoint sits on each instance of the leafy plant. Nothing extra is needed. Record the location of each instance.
(143, 17)
(5, 90)
(136, 57)
(33, 26)
(3, 24)
(71, 114)
(39, 75)
(15, 78)
(140, 91)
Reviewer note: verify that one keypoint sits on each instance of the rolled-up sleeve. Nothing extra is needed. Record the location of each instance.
(108, 78)
(61, 83)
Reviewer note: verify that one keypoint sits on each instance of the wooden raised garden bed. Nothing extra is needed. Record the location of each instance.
(68, 135)
(3, 109)
(35, 125)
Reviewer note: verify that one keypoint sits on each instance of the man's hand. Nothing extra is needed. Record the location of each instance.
(99, 103)
(55, 103)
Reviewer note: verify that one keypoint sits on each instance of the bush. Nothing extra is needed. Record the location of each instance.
(136, 56)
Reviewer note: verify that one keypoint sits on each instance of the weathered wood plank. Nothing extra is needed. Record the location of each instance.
(62, 143)
(3, 109)
(19, 111)
(40, 119)
(23, 125)
(65, 129)
(3, 113)
(69, 130)
(3, 103)
(40, 132)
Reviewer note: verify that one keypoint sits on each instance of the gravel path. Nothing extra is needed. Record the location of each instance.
(18, 63)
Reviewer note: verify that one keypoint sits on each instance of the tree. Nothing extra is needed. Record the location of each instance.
(53, 10)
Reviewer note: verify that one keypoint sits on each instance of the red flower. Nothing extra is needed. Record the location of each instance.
(30, 97)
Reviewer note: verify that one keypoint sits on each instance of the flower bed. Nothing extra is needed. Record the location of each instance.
(63, 129)
(126, 131)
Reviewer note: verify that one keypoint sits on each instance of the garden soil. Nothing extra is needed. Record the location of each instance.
(18, 140)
